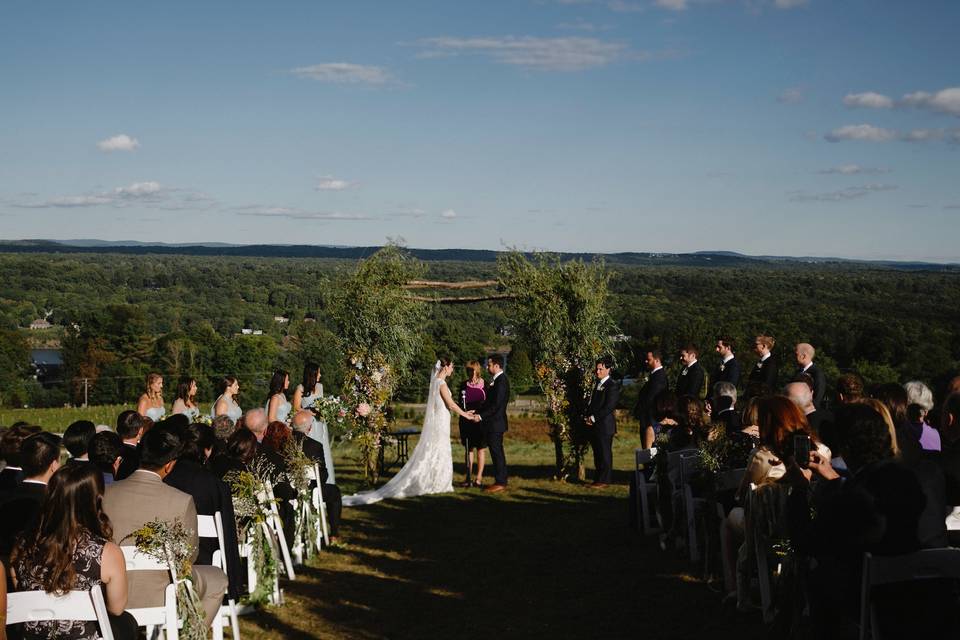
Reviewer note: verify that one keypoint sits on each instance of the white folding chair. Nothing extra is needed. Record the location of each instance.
(164, 617)
(212, 527)
(920, 565)
(246, 551)
(277, 525)
(953, 519)
(320, 506)
(36, 606)
(644, 458)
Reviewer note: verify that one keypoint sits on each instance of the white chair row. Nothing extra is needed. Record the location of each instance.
(36, 606)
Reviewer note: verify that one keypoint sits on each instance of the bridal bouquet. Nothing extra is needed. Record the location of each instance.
(169, 543)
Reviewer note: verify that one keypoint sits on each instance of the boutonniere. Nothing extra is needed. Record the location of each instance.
(722, 367)
(684, 372)
(760, 365)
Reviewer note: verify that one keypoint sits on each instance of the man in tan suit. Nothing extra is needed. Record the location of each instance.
(144, 497)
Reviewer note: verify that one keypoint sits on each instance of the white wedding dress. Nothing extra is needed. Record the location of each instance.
(430, 467)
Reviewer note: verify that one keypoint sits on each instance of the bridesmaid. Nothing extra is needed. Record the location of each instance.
(306, 393)
(278, 407)
(472, 395)
(226, 403)
(151, 402)
(186, 401)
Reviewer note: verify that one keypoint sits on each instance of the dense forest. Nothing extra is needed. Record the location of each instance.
(118, 316)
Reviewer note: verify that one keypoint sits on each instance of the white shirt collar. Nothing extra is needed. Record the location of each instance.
(687, 366)
(153, 473)
(25, 481)
(728, 359)
(765, 356)
(657, 369)
(13, 468)
(497, 374)
(809, 364)
(604, 379)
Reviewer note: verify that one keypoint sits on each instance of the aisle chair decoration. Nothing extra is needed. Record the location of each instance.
(256, 540)
(169, 544)
(299, 473)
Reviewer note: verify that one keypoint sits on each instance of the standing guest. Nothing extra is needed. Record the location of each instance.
(724, 402)
(76, 440)
(307, 392)
(105, 452)
(186, 400)
(645, 409)
(919, 403)
(69, 548)
(762, 380)
(729, 368)
(849, 388)
(602, 419)
(40, 454)
(691, 380)
(131, 427)
(472, 395)
(226, 402)
(804, 353)
(278, 407)
(151, 402)
(143, 497)
(12, 473)
(302, 424)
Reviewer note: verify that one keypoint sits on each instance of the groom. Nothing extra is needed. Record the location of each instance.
(493, 416)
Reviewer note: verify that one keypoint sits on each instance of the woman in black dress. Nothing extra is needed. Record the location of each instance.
(472, 437)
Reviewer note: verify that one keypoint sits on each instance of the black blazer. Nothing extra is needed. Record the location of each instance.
(690, 381)
(129, 461)
(210, 494)
(730, 419)
(646, 407)
(493, 413)
(765, 373)
(819, 383)
(20, 508)
(313, 450)
(10, 479)
(727, 372)
(603, 403)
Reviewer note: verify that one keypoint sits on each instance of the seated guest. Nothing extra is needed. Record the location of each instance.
(69, 548)
(130, 427)
(40, 456)
(210, 495)
(12, 474)
(207, 442)
(223, 427)
(663, 416)
(238, 453)
(3, 600)
(724, 411)
(849, 388)
(275, 439)
(256, 421)
(894, 398)
(949, 460)
(801, 392)
(106, 448)
(302, 425)
(144, 497)
(76, 440)
(690, 429)
(919, 403)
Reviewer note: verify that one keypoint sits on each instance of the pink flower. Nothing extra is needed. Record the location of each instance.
(363, 410)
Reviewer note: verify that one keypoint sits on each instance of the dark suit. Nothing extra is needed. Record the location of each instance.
(603, 403)
(20, 508)
(332, 496)
(764, 373)
(10, 478)
(493, 416)
(690, 381)
(210, 494)
(728, 371)
(129, 461)
(646, 407)
(819, 383)
(730, 420)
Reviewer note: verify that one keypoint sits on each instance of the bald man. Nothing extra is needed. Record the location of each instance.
(804, 353)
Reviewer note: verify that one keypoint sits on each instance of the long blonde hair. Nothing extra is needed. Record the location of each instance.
(473, 371)
(151, 378)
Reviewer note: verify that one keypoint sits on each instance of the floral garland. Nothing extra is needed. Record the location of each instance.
(251, 512)
(298, 473)
(169, 543)
(368, 385)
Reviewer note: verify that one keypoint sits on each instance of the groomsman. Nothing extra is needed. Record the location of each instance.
(493, 415)
(729, 369)
(600, 417)
(763, 376)
(691, 379)
(656, 382)
(804, 353)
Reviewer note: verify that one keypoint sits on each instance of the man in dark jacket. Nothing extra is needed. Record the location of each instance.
(602, 421)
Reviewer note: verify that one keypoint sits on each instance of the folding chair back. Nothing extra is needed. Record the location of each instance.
(165, 615)
(36, 606)
(212, 527)
(644, 458)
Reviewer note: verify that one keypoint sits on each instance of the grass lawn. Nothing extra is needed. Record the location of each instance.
(542, 560)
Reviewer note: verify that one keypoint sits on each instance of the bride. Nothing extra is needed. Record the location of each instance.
(430, 467)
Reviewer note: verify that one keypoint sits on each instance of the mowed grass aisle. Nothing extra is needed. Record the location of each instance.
(545, 559)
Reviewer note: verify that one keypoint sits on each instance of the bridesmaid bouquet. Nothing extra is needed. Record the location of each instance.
(332, 410)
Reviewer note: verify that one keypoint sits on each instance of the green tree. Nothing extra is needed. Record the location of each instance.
(14, 366)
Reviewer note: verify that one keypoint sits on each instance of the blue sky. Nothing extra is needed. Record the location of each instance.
(818, 127)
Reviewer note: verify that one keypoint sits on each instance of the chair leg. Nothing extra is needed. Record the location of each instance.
(234, 620)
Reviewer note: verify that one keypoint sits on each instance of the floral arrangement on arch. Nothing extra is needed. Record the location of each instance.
(368, 386)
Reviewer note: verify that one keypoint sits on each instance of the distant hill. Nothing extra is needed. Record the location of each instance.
(699, 258)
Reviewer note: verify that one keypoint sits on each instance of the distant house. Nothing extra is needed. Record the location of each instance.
(281, 319)
(40, 323)
(251, 332)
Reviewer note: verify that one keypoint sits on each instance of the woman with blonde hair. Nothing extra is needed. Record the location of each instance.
(150, 404)
(472, 437)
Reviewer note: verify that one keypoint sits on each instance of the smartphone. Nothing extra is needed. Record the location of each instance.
(801, 450)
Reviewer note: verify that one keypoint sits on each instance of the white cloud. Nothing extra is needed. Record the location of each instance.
(864, 132)
(149, 194)
(622, 6)
(448, 214)
(541, 54)
(66, 202)
(672, 5)
(299, 214)
(853, 170)
(329, 183)
(868, 100)
(121, 142)
(850, 193)
(139, 190)
(944, 101)
(923, 135)
(344, 73)
(791, 95)
(789, 4)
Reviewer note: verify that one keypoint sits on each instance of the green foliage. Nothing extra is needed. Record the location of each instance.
(14, 366)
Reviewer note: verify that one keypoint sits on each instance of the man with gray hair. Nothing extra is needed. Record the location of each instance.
(256, 421)
(724, 401)
(801, 393)
(302, 425)
(804, 353)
